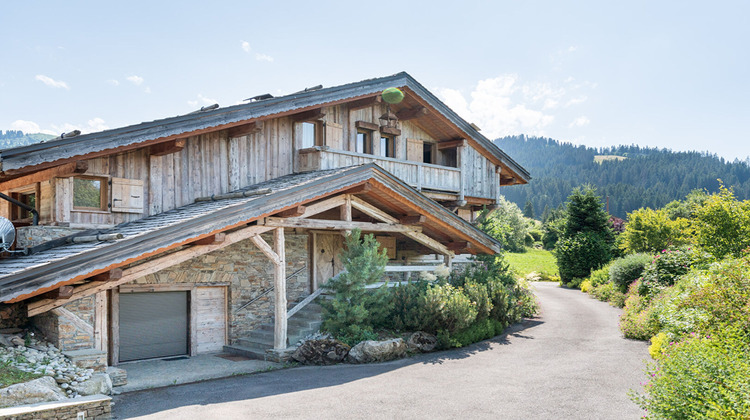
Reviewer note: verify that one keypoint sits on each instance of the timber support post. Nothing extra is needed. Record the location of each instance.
(280, 321)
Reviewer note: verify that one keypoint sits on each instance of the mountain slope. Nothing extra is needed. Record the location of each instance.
(647, 177)
(15, 138)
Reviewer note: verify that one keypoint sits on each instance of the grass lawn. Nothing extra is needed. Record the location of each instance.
(10, 375)
(538, 260)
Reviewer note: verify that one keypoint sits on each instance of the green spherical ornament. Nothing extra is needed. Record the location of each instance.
(393, 95)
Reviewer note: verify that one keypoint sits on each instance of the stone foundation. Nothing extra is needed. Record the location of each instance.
(13, 315)
(92, 407)
(61, 332)
(248, 272)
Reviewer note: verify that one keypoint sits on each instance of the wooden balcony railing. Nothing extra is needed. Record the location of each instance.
(417, 174)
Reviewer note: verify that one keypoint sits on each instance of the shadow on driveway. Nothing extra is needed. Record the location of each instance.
(248, 387)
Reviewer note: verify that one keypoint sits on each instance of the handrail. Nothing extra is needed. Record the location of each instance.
(265, 292)
(385, 158)
(310, 298)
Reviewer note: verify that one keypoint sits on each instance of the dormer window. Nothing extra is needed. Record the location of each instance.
(90, 193)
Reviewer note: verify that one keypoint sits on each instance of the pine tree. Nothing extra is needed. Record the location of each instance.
(528, 210)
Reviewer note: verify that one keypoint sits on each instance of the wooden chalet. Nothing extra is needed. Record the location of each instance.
(213, 230)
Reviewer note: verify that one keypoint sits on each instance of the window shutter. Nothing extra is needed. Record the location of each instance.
(414, 150)
(127, 195)
(334, 136)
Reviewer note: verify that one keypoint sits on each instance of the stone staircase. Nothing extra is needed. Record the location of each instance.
(300, 325)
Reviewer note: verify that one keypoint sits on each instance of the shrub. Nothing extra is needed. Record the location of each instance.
(578, 255)
(722, 225)
(407, 311)
(586, 286)
(652, 230)
(479, 296)
(667, 266)
(626, 270)
(658, 346)
(638, 320)
(600, 276)
(478, 331)
(704, 300)
(608, 293)
(701, 377)
(447, 308)
(506, 224)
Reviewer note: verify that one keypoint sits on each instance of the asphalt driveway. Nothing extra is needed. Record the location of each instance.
(569, 363)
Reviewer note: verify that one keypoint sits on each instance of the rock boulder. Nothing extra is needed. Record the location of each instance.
(377, 351)
(321, 352)
(44, 389)
(422, 341)
(99, 383)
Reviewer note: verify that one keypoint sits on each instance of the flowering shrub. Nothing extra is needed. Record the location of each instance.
(626, 270)
(706, 377)
(658, 345)
(638, 320)
(669, 265)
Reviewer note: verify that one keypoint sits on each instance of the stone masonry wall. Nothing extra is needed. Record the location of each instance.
(27, 236)
(249, 272)
(59, 331)
(94, 407)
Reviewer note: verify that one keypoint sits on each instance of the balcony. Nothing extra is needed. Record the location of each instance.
(422, 176)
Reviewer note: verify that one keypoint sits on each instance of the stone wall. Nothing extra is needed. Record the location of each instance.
(27, 236)
(93, 407)
(61, 332)
(13, 315)
(249, 273)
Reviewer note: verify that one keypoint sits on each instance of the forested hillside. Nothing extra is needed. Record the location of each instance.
(15, 138)
(648, 177)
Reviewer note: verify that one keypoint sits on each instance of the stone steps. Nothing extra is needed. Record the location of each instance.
(305, 322)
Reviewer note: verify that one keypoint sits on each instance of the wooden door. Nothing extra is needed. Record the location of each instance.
(211, 328)
(326, 258)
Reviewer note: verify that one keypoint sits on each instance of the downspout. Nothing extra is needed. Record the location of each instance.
(26, 207)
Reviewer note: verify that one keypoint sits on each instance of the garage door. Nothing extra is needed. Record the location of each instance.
(153, 325)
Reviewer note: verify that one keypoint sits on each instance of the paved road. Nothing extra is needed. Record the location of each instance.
(569, 363)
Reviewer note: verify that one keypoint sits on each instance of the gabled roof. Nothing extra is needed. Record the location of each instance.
(27, 276)
(20, 157)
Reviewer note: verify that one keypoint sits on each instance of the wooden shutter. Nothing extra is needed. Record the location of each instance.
(334, 135)
(127, 195)
(414, 150)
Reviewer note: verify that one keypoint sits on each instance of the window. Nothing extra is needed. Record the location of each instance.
(27, 195)
(386, 146)
(89, 193)
(364, 142)
(427, 149)
(309, 134)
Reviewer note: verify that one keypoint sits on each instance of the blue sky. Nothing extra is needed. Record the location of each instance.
(663, 74)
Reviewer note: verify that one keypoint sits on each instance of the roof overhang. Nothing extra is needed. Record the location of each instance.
(56, 152)
(30, 276)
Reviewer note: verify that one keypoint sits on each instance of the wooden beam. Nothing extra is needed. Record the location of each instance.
(68, 169)
(293, 212)
(412, 220)
(411, 113)
(458, 246)
(280, 303)
(311, 115)
(266, 249)
(113, 274)
(245, 130)
(149, 267)
(295, 222)
(100, 335)
(390, 130)
(168, 147)
(321, 206)
(346, 213)
(451, 144)
(376, 213)
(364, 102)
(211, 239)
(367, 125)
(62, 292)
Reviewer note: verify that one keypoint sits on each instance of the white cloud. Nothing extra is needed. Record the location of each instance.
(51, 82)
(136, 80)
(572, 48)
(246, 46)
(579, 122)
(97, 124)
(501, 106)
(28, 127)
(577, 100)
(147, 90)
(113, 82)
(263, 57)
(202, 100)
